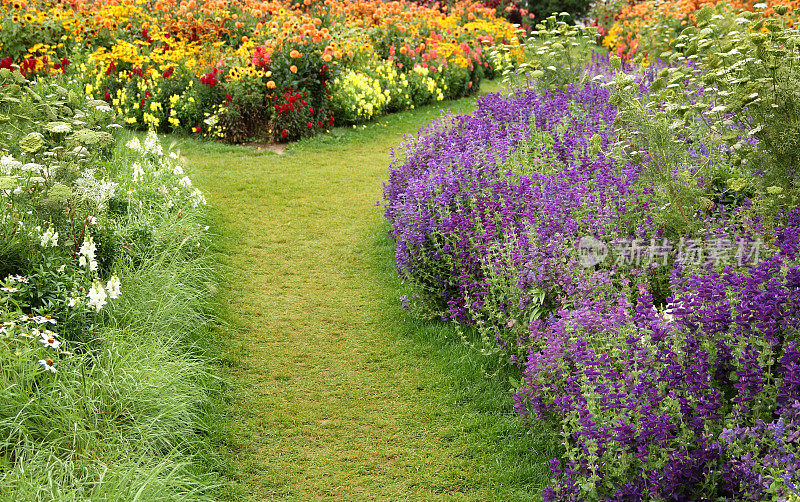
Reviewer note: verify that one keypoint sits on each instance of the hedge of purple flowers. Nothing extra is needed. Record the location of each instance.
(670, 366)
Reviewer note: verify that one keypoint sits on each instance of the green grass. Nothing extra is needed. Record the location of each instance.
(127, 419)
(336, 393)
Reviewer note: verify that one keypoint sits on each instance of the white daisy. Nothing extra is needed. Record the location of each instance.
(50, 342)
(48, 365)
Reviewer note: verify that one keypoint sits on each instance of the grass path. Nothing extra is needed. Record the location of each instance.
(336, 394)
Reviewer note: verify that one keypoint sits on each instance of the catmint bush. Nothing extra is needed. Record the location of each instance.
(658, 373)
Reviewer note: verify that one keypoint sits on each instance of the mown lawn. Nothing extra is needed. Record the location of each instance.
(335, 391)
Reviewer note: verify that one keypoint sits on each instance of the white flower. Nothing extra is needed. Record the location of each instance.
(173, 155)
(87, 254)
(73, 302)
(61, 269)
(32, 167)
(50, 342)
(19, 278)
(48, 365)
(152, 145)
(97, 296)
(58, 128)
(91, 220)
(103, 108)
(114, 126)
(43, 319)
(8, 164)
(134, 144)
(138, 172)
(8, 289)
(114, 287)
(177, 170)
(49, 238)
(185, 182)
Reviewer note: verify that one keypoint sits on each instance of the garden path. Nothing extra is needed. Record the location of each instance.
(332, 396)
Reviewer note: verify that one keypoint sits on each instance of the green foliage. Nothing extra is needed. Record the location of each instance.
(100, 399)
(542, 9)
(555, 56)
(731, 82)
(247, 112)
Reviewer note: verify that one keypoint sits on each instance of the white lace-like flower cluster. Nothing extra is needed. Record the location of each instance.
(157, 167)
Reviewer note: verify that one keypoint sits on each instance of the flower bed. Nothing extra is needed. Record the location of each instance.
(645, 29)
(102, 286)
(240, 70)
(630, 242)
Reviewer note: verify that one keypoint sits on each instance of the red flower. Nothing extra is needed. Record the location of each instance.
(331, 119)
(168, 72)
(310, 125)
(196, 129)
(210, 78)
(64, 63)
(6, 63)
(284, 133)
(111, 67)
(107, 96)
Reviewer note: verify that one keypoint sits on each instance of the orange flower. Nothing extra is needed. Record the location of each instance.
(327, 58)
(271, 84)
(295, 54)
(293, 69)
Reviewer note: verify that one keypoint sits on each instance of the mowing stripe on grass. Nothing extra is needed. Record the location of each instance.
(336, 393)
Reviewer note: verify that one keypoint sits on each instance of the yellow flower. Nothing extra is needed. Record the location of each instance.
(293, 69)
